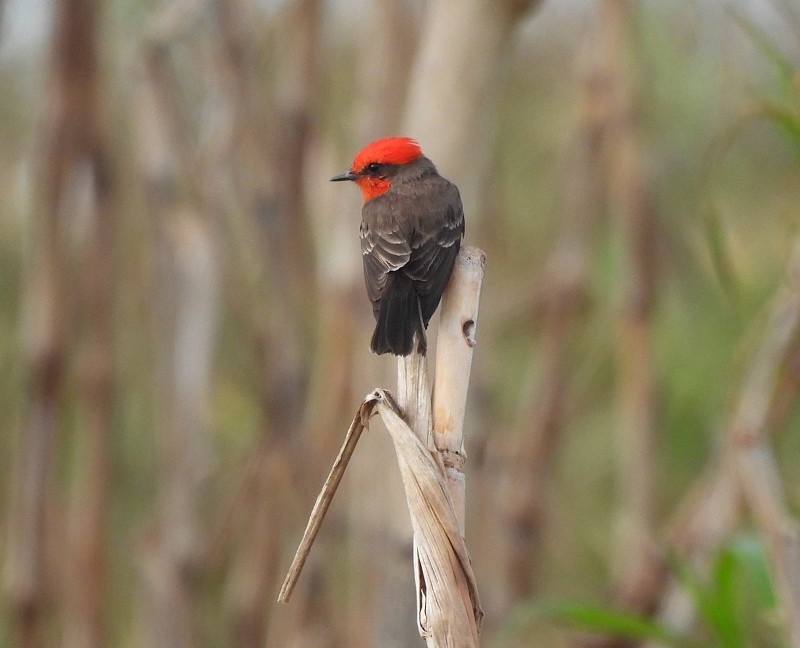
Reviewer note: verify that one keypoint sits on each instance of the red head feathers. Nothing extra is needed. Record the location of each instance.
(391, 150)
(375, 163)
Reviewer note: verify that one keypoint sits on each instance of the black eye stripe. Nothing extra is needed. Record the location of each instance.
(372, 167)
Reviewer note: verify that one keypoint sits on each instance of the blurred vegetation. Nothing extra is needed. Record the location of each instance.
(718, 115)
(735, 602)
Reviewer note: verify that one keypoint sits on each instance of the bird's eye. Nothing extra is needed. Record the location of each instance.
(373, 167)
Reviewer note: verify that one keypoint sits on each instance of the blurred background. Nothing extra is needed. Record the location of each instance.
(184, 328)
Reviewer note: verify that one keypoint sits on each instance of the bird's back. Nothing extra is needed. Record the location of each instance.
(413, 229)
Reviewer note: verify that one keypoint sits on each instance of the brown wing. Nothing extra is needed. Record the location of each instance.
(383, 251)
(434, 253)
(418, 234)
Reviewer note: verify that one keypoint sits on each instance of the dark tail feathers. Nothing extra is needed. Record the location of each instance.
(399, 318)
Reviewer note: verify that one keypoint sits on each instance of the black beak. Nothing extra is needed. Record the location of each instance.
(347, 175)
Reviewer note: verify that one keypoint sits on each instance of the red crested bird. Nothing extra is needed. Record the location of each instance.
(412, 223)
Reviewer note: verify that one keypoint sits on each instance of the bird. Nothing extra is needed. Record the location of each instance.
(412, 223)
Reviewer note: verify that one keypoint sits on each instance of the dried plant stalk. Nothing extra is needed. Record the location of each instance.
(186, 305)
(561, 288)
(71, 143)
(636, 555)
(448, 612)
(455, 344)
(324, 499)
(414, 395)
(461, 46)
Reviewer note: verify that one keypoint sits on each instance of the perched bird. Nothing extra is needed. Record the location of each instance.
(412, 223)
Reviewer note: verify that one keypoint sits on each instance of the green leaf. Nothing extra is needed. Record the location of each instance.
(711, 607)
(722, 599)
(749, 552)
(726, 598)
(601, 619)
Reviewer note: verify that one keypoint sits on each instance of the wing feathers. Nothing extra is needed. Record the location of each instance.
(417, 237)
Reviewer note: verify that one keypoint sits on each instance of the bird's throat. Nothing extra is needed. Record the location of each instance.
(371, 187)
